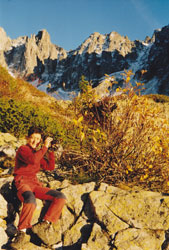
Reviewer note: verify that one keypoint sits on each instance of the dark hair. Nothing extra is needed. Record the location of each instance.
(33, 130)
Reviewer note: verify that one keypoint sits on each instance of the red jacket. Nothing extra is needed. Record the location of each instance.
(28, 161)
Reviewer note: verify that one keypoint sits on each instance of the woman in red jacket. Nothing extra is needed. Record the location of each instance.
(28, 163)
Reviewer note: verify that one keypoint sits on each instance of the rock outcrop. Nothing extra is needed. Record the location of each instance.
(158, 60)
(97, 43)
(5, 43)
(94, 217)
(37, 58)
(104, 217)
(25, 55)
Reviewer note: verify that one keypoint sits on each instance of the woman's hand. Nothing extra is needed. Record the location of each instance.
(48, 141)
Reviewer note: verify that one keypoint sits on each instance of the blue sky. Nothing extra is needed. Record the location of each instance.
(70, 22)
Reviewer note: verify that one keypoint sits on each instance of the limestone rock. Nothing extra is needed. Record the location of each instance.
(101, 203)
(31, 246)
(98, 43)
(8, 146)
(136, 209)
(8, 150)
(9, 140)
(5, 41)
(97, 240)
(28, 55)
(3, 234)
(4, 182)
(74, 234)
(93, 44)
(54, 184)
(38, 210)
(67, 219)
(119, 43)
(24, 242)
(3, 237)
(3, 223)
(75, 195)
(2, 59)
(3, 207)
(6, 137)
(49, 234)
(139, 239)
(106, 218)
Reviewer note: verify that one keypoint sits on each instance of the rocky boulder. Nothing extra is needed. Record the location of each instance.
(94, 217)
(8, 146)
(103, 217)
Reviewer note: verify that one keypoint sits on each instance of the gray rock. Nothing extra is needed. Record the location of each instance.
(108, 218)
(3, 207)
(3, 237)
(139, 239)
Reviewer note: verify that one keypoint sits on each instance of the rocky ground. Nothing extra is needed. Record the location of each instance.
(95, 217)
(104, 217)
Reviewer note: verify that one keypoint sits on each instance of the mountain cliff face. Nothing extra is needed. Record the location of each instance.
(158, 60)
(36, 57)
(25, 55)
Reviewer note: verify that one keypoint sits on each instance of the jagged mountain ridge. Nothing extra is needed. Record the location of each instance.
(98, 55)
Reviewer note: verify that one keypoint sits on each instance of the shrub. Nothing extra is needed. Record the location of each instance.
(17, 117)
(159, 98)
(121, 138)
(7, 83)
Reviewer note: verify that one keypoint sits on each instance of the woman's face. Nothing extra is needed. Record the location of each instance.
(34, 140)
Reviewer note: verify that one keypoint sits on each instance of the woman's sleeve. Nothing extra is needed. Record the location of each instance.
(48, 164)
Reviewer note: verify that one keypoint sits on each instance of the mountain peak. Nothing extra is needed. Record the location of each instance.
(92, 44)
(4, 39)
(43, 35)
(98, 55)
(95, 34)
(2, 31)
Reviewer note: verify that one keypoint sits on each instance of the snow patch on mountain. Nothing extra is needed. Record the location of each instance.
(11, 73)
(18, 42)
(142, 58)
(60, 94)
(151, 87)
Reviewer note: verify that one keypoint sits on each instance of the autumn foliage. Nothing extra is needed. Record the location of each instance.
(123, 138)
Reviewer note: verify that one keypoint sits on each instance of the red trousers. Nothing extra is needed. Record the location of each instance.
(28, 191)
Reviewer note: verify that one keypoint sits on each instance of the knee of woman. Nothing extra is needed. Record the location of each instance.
(56, 194)
(29, 197)
(62, 196)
